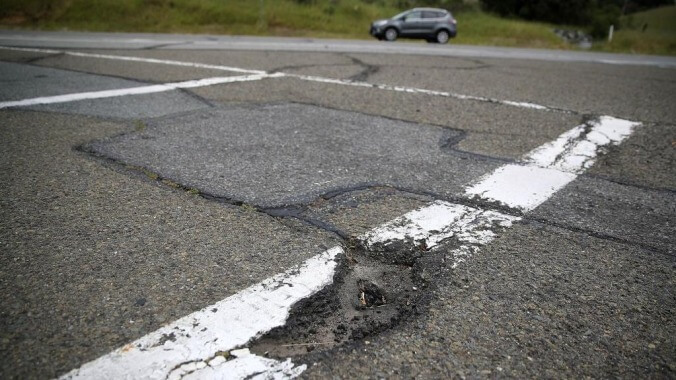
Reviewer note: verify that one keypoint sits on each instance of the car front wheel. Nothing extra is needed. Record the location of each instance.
(442, 36)
(391, 34)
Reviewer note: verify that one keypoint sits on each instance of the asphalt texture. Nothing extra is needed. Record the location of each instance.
(119, 215)
(281, 155)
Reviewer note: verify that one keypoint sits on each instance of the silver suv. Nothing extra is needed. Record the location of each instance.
(431, 24)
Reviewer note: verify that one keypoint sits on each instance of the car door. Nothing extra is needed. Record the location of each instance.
(411, 24)
(429, 22)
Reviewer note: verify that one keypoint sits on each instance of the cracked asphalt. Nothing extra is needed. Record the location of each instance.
(119, 215)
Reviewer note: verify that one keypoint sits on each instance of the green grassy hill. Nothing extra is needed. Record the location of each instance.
(309, 18)
(658, 37)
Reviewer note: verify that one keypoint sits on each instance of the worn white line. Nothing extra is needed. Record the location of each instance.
(413, 90)
(576, 150)
(32, 50)
(132, 90)
(224, 326)
(550, 167)
(546, 170)
(432, 224)
(519, 186)
(139, 59)
(343, 82)
(14, 37)
(245, 365)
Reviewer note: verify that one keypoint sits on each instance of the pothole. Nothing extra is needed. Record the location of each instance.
(368, 296)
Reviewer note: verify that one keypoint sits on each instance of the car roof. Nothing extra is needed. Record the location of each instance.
(430, 9)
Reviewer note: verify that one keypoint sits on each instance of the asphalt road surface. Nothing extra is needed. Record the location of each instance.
(235, 207)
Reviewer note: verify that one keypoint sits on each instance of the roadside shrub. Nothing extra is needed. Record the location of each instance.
(595, 15)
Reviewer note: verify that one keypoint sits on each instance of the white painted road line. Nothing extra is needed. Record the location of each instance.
(576, 150)
(245, 366)
(139, 59)
(519, 186)
(552, 166)
(133, 90)
(413, 90)
(546, 170)
(343, 82)
(432, 224)
(222, 327)
(436, 222)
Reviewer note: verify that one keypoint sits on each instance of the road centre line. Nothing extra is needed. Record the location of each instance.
(344, 82)
(189, 347)
(133, 90)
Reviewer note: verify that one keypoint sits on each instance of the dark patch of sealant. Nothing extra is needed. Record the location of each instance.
(299, 212)
(367, 69)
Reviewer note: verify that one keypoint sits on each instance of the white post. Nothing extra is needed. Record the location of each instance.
(610, 33)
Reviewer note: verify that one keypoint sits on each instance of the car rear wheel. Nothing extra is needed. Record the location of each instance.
(442, 36)
(391, 34)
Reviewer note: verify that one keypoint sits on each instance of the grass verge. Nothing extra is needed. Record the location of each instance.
(314, 18)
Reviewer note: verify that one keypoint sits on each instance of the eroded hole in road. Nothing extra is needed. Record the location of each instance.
(368, 296)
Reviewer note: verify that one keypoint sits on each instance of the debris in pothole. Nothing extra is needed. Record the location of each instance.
(370, 294)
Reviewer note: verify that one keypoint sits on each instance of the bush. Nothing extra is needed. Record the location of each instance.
(596, 15)
(601, 18)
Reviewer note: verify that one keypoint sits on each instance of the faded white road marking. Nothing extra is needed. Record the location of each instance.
(518, 186)
(576, 150)
(14, 37)
(245, 366)
(139, 59)
(546, 170)
(437, 222)
(413, 90)
(344, 82)
(552, 166)
(132, 91)
(224, 326)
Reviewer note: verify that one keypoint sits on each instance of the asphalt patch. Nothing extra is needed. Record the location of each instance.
(286, 154)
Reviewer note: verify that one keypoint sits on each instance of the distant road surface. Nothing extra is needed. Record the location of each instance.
(83, 40)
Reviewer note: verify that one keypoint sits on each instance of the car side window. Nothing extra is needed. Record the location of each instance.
(430, 14)
(413, 16)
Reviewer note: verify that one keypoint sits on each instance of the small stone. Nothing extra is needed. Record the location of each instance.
(651, 346)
